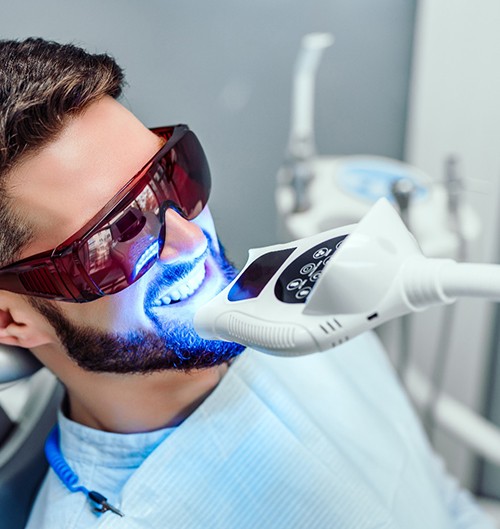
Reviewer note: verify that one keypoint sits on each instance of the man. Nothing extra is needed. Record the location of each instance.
(172, 430)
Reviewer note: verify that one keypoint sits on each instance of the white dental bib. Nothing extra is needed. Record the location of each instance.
(318, 441)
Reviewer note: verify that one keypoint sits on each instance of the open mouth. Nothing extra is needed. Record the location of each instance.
(184, 288)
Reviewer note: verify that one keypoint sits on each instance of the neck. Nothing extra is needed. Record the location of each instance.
(139, 403)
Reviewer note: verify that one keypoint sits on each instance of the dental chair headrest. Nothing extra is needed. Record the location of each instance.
(16, 363)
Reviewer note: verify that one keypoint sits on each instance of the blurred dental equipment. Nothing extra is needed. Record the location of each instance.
(318, 192)
(313, 294)
(301, 147)
(339, 190)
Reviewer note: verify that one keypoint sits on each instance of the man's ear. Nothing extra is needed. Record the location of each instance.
(21, 324)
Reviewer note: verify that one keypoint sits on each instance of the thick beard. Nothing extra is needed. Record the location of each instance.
(174, 345)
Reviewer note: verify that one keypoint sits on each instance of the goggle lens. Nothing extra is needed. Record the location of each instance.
(126, 240)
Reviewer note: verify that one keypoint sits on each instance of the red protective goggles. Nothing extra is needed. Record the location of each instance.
(123, 241)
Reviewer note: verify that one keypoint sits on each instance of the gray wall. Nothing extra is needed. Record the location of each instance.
(224, 67)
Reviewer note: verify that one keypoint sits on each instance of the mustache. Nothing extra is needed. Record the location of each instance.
(173, 273)
(170, 274)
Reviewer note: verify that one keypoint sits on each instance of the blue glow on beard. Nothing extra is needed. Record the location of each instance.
(173, 344)
(169, 275)
(179, 336)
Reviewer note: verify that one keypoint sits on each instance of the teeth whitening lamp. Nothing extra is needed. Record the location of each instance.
(313, 294)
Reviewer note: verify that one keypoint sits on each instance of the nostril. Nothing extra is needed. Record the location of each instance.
(184, 239)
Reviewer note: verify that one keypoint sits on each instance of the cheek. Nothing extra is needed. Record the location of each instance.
(119, 313)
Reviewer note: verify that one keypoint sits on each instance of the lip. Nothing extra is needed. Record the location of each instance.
(183, 289)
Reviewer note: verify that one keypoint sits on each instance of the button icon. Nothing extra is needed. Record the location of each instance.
(295, 284)
(303, 293)
(322, 252)
(315, 276)
(307, 269)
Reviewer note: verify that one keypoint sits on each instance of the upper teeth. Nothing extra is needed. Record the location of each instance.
(182, 291)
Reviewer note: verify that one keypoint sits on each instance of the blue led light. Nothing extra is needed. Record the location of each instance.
(150, 253)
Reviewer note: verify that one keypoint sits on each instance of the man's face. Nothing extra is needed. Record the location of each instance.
(147, 326)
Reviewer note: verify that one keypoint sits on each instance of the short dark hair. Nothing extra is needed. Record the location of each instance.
(42, 83)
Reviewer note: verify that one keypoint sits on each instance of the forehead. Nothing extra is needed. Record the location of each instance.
(63, 185)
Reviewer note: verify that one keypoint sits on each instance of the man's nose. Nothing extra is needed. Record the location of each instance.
(184, 240)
